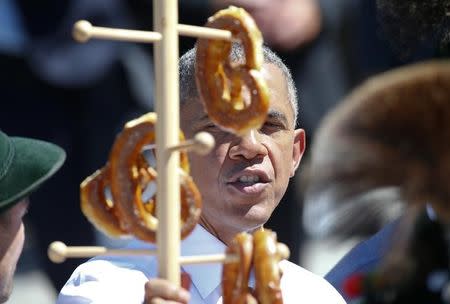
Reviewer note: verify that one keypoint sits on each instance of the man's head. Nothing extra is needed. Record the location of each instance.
(244, 178)
(24, 165)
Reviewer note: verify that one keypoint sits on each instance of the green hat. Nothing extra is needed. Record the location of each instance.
(25, 164)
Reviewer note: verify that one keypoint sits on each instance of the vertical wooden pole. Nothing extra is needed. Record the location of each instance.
(167, 128)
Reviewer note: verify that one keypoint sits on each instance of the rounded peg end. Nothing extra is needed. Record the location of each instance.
(57, 252)
(283, 251)
(82, 31)
(204, 142)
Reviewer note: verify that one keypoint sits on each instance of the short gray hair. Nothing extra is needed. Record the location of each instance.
(188, 88)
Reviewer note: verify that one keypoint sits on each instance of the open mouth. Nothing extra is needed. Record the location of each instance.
(250, 183)
(248, 179)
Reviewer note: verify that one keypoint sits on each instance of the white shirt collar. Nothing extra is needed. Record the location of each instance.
(199, 242)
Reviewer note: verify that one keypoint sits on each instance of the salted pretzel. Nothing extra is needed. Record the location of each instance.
(99, 209)
(128, 174)
(221, 82)
(266, 260)
(259, 252)
(235, 275)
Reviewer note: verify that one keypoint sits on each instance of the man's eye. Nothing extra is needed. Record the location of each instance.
(210, 127)
(270, 127)
(273, 125)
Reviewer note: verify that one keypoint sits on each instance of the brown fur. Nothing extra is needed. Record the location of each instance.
(393, 131)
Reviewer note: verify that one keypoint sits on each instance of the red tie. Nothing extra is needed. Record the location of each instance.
(185, 280)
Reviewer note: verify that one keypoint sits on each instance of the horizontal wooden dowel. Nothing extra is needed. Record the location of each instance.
(83, 31)
(205, 259)
(58, 252)
(202, 143)
(283, 251)
(203, 32)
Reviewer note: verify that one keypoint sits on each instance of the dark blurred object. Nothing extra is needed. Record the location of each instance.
(304, 18)
(361, 214)
(393, 131)
(415, 24)
(75, 95)
(362, 259)
(414, 270)
(397, 20)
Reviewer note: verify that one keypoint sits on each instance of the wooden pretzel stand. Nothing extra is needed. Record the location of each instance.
(165, 40)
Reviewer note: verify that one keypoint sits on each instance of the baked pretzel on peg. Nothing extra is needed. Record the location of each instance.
(97, 207)
(266, 259)
(128, 173)
(235, 275)
(262, 252)
(225, 86)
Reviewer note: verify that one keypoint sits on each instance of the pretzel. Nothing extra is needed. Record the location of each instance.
(261, 252)
(130, 174)
(99, 210)
(267, 272)
(221, 82)
(235, 275)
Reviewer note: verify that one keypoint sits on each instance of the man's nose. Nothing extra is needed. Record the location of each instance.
(248, 146)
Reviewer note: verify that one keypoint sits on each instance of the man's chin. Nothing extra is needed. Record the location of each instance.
(5, 294)
(255, 220)
(6, 286)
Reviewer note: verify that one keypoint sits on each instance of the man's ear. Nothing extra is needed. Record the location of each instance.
(298, 149)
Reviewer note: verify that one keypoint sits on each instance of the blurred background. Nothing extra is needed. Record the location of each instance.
(80, 95)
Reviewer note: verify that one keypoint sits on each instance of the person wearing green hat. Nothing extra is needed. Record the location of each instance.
(25, 164)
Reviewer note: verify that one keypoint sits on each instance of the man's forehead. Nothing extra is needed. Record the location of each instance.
(273, 114)
(278, 88)
(275, 79)
(278, 94)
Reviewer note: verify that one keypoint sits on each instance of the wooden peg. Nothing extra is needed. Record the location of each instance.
(83, 31)
(202, 143)
(58, 252)
(283, 251)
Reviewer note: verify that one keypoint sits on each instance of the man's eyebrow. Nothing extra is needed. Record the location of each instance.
(204, 117)
(274, 114)
(202, 120)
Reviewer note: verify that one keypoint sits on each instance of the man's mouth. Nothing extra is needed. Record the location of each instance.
(249, 179)
(250, 182)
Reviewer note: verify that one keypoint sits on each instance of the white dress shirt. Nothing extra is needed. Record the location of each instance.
(111, 280)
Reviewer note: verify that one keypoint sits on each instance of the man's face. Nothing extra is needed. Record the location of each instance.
(12, 238)
(243, 179)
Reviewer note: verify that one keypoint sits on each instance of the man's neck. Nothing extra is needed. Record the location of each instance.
(226, 239)
(210, 228)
